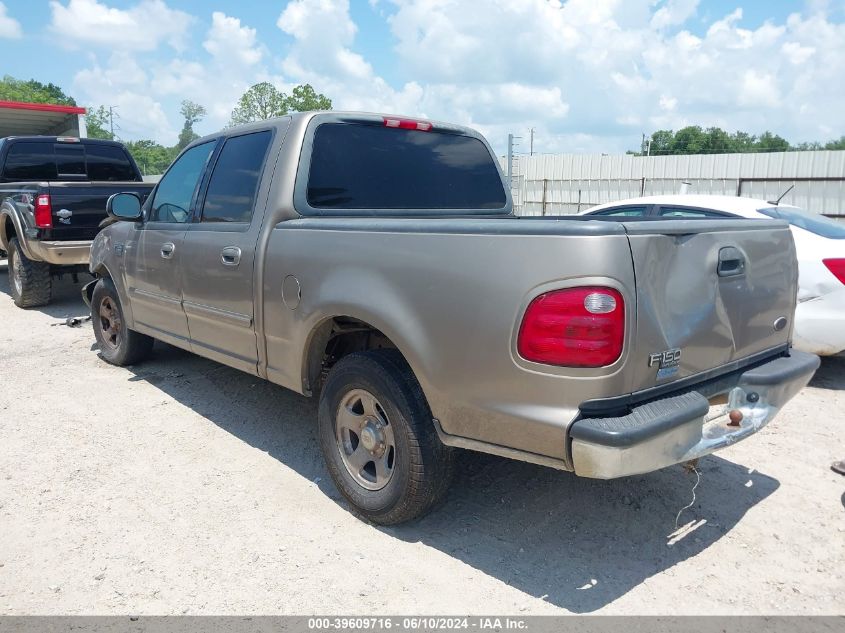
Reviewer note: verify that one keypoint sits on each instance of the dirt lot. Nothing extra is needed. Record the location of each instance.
(182, 486)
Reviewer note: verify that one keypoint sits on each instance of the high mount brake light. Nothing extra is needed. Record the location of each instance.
(43, 211)
(574, 327)
(407, 124)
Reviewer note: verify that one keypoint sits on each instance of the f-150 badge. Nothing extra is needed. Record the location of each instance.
(667, 362)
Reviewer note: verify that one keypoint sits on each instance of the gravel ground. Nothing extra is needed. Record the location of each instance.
(183, 486)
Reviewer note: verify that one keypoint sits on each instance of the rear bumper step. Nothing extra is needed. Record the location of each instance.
(683, 427)
(60, 253)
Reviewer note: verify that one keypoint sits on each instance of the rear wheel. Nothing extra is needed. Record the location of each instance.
(30, 281)
(378, 439)
(118, 344)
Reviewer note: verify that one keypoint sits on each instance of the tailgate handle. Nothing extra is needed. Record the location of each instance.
(731, 262)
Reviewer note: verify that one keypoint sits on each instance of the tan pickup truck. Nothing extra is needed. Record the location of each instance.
(374, 262)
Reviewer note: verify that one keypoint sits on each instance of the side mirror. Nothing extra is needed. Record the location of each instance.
(124, 206)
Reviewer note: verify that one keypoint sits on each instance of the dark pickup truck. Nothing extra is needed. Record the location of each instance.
(53, 193)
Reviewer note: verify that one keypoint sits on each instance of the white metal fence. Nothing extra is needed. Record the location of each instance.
(569, 183)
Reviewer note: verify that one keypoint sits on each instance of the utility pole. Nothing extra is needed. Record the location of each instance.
(510, 160)
(111, 121)
(531, 144)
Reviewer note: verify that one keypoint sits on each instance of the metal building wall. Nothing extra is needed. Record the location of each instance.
(568, 183)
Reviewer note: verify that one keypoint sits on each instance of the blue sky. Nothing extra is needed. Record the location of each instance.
(589, 75)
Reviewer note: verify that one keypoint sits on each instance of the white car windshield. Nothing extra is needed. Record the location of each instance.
(813, 222)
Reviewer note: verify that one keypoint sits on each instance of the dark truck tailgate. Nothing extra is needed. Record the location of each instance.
(86, 202)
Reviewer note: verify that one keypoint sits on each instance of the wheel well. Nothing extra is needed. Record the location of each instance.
(8, 230)
(335, 338)
(101, 272)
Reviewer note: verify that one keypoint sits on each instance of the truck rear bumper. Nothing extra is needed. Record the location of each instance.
(60, 253)
(684, 427)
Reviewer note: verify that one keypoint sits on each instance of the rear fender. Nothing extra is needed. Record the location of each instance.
(10, 212)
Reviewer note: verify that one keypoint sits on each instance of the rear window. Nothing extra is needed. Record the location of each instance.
(813, 222)
(374, 167)
(30, 161)
(70, 161)
(107, 162)
(73, 161)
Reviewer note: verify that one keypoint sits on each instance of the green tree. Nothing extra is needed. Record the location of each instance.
(193, 113)
(305, 99)
(98, 123)
(152, 157)
(769, 142)
(261, 101)
(661, 142)
(265, 101)
(837, 144)
(33, 91)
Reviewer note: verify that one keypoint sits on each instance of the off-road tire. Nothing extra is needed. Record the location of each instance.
(29, 281)
(128, 346)
(423, 465)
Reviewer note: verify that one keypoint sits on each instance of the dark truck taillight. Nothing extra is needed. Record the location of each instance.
(837, 267)
(574, 327)
(43, 211)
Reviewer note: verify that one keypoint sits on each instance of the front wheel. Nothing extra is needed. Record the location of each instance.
(378, 438)
(118, 344)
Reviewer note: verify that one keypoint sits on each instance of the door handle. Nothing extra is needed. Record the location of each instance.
(231, 256)
(167, 250)
(731, 262)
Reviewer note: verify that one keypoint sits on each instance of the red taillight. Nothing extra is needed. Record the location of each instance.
(837, 267)
(43, 211)
(407, 124)
(574, 327)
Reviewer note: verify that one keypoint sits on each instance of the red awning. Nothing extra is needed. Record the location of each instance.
(21, 119)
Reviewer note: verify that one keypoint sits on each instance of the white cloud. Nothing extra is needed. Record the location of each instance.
(229, 40)
(142, 27)
(121, 84)
(9, 27)
(796, 53)
(588, 74)
(674, 13)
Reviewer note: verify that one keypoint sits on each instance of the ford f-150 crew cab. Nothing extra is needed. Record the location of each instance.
(375, 262)
(53, 193)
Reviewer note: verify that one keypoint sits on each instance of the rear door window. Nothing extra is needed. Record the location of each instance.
(30, 161)
(234, 181)
(358, 166)
(110, 163)
(632, 212)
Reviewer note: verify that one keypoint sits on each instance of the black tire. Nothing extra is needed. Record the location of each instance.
(29, 281)
(422, 464)
(118, 344)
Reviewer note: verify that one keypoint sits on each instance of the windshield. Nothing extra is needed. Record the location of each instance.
(813, 222)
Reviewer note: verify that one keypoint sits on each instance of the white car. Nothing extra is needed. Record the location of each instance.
(819, 243)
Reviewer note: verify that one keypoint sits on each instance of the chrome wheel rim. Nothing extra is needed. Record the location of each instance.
(110, 322)
(16, 273)
(364, 438)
